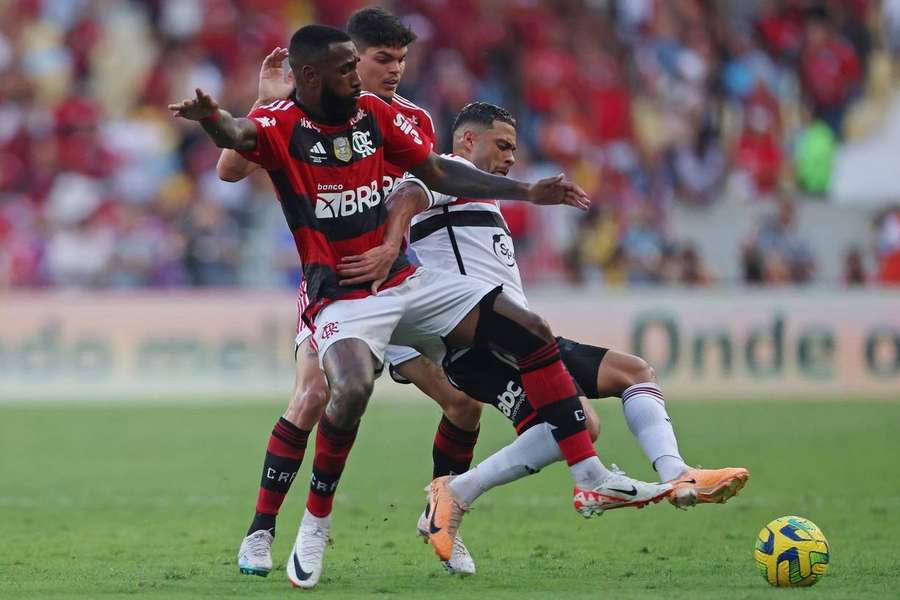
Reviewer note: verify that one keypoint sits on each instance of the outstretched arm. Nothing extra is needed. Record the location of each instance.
(225, 130)
(456, 178)
(273, 85)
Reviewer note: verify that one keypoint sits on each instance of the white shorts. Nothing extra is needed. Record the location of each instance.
(418, 313)
(397, 355)
(303, 335)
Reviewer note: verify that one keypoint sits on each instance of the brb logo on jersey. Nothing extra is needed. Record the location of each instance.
(503, 248)
(344, 203)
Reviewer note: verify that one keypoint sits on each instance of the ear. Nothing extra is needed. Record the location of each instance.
(469, 139)
(308, 75)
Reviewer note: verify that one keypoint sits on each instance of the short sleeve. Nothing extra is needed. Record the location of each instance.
(271, 144)
(404, 144)
(434, 198)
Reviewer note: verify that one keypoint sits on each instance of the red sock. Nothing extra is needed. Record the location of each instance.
(285, 451)
(332, 448)
(453, 449)
(552, 393)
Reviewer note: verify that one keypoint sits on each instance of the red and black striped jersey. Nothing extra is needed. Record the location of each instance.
(421, 119)
(331, 180)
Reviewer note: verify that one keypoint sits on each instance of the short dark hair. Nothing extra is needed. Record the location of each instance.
(376, 26)
(482, 113)
(310, 44)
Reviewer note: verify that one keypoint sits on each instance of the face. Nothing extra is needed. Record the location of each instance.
(381, 69)
(336, 80)
(494, 150)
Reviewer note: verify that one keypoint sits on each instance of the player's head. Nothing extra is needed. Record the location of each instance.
(485, 134)
(323, 60)
(382, 41)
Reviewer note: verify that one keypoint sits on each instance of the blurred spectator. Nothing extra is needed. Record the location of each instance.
(888, 247)
(758, 155)
(699, 165)
(778, 253)
(829, 68)
(690, 270)
(645, 247)
(855, 268)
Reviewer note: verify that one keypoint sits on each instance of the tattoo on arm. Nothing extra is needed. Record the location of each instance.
(228, 132)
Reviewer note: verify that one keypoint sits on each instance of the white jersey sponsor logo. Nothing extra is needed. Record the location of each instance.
(362, 143)
(265, 121)
(408, 128)
(347, 202)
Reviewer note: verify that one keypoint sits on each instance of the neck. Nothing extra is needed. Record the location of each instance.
(312, 105)
(466, 155)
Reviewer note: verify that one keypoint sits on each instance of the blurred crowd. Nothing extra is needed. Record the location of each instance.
(648, 104)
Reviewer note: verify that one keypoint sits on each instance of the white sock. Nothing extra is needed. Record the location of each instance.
(645, 413)
(528, 454)
(589, 473)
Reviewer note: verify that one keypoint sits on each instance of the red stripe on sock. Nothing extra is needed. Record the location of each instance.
(577, 447)
(280, 448)
(269, 502)
(319, 506)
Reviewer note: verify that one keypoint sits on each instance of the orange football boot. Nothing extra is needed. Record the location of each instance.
(445, 513)
(714, 486)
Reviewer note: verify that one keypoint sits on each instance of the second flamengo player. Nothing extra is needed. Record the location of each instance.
(428, 310)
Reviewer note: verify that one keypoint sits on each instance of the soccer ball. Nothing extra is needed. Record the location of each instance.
(791, 552)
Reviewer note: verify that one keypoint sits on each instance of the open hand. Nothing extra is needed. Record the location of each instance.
(373, 265)
(557, 190)
(195, 109)
(273, 83)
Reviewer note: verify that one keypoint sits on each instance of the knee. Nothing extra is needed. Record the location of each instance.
(348, 401)
(634, 370)
(537, 325)
(307, 403)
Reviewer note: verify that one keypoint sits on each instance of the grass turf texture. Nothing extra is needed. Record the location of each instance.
(113, 502)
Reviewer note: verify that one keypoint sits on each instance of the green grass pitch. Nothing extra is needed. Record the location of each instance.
(152, 501)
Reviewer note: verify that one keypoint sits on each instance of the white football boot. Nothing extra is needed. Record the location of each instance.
(255, 555)
(461, 562)
(618, 491)
(304, 567)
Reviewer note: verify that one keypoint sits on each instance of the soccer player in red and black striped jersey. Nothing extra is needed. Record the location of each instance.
(383, 43)
(325, 150)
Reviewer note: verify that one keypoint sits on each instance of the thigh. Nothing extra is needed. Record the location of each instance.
(438, 301)
(371, 320)
(583, 363)
(307, 370)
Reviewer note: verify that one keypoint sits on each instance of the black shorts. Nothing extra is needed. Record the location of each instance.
(493, 380)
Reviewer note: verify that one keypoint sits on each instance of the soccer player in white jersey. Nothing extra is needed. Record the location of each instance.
(471, 237)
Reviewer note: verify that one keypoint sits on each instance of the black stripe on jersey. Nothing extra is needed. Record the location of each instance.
(453, 244)
(297, 209)
(460, 218)
(300, 211)
(336, 150)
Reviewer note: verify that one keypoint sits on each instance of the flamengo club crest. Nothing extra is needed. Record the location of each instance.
(342, 149)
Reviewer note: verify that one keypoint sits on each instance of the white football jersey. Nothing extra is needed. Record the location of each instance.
(466, 236)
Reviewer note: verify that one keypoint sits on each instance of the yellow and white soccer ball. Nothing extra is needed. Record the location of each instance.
(792, 552)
